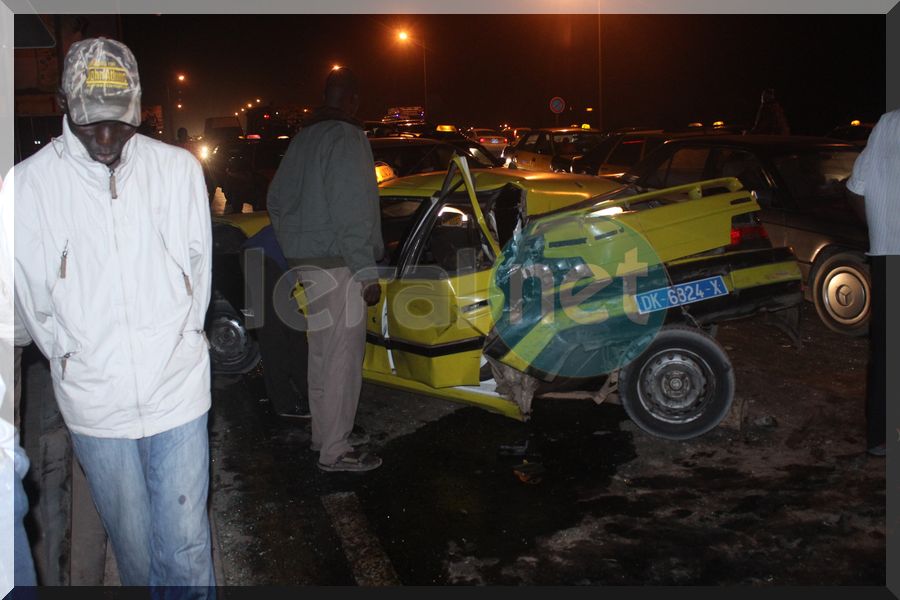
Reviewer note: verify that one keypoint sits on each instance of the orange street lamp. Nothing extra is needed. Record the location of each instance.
(335, 67)
(180, 77)
(403, 36)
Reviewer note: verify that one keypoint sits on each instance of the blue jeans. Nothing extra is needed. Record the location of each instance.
(22, 561)
(151, 496)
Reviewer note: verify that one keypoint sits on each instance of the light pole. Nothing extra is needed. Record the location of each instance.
(171, 107)
(404, 37)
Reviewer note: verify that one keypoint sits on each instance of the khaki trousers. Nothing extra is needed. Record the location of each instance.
(337, 344)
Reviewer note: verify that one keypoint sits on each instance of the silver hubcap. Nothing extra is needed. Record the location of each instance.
(675, 385)
(846, 296)
(228, 340)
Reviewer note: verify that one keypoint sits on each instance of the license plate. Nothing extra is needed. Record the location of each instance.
(681, 294)
(495, 141)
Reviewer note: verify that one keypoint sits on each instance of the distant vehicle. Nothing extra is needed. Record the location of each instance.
(217, 130)
(249, 170)
(435, 131)
(514, 133)
(624, 148)
(552, 149)
(855, 132)
(404, 113)
(249, 165)
(493, 140)
(800, 183)
(380, 129)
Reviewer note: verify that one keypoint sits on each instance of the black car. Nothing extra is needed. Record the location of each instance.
(245, 169)
(622, 149)
(800, 183)
(856, 133)
(411, 156)
(249, 170)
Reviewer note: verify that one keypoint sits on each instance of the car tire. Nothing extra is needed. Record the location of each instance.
(842, 293)
(232, 350)
(680, 387)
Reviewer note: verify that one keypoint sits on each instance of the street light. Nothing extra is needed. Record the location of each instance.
(403, 36)
(172, 104)
(336, 67)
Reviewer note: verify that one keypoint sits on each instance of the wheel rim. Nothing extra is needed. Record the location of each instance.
(229, 343)
(845, 295)
(676, 385)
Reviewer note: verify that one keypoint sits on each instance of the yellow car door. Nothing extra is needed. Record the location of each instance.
(437, 313)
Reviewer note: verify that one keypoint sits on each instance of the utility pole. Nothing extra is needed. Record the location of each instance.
(599, 72)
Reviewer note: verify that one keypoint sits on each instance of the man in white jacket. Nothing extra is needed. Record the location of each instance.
(112, 280)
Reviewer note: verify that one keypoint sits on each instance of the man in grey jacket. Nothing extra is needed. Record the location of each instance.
(323, 203)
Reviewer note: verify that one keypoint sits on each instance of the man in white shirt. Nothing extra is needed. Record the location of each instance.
(876, 178)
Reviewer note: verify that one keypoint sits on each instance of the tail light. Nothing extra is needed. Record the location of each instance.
(748, 232)
(480, 140)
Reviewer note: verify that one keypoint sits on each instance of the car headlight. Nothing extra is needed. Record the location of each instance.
(204, 152)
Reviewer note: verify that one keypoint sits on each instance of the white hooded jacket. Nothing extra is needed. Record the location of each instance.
(112, 281)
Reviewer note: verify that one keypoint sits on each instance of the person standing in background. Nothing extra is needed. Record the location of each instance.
(875, 187)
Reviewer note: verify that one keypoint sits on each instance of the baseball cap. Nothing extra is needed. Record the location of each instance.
(101, 83)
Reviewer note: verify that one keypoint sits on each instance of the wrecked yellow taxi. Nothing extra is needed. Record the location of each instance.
(503, 288)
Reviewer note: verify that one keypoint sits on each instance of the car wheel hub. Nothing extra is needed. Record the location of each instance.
(228, 340)
(846, 296)
(674, 386)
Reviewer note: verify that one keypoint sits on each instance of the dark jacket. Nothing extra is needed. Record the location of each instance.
(323, 200)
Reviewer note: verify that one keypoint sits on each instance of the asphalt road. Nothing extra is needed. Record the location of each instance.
(780, 494)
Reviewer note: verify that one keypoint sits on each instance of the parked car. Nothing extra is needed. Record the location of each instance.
(800, 184)
(445, 325)
(249, 165)
(249, 170)
(621, 149)
(514, 133)
(855, 132)
(434, 131)
(494, 141)
(552, 149)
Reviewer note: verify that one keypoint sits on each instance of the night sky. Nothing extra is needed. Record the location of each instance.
(483, 70)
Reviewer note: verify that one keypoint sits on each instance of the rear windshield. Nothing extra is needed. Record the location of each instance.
(576, 142)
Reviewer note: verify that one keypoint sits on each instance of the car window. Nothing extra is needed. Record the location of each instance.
(816, 177)
(598, 153)
(529, 143)
(627, 153)
(398, 215)
(686, 165)
(408, 159)
(730, 162)
(576, 142)
(543, 144)
(456, 243)
(482, 159)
